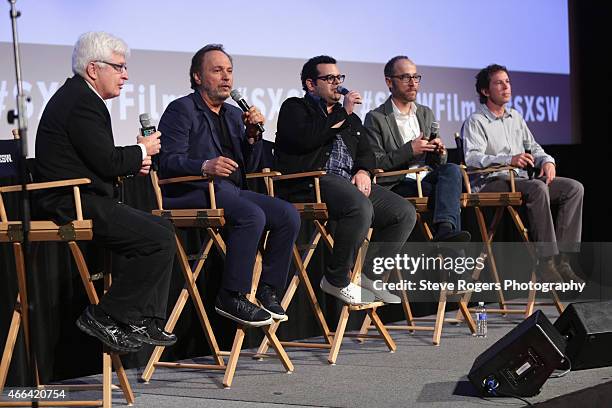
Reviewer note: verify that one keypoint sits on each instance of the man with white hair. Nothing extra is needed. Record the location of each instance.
(75, 140)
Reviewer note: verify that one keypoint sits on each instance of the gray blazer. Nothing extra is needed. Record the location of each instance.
(386, 140)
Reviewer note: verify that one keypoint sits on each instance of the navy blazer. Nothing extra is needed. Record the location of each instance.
(189, 138)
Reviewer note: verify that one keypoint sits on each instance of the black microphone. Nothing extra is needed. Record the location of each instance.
(530, 169)
(433, 134)
(237, 97)
(342, 90)
(147, 129)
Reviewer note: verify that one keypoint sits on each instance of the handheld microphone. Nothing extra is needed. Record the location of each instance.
(530, 169)
(242, 103)
(433, 134)
(342, 90)
(147, 129)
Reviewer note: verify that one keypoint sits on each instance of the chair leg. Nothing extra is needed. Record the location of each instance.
(437, 334)
(107, 376)
(9, 346)
(467, 316)
(338, 335)
(382, 330)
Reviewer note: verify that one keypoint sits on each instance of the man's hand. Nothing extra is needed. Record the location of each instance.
(145, 167)
(350, 100)
(522, 160)
(550, 171)
(251, 118)
(219, 166)
(361, 179)
(151, 143)
(421, 145)
(439, 147)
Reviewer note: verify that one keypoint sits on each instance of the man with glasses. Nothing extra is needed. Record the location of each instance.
(75, 140)
(203, 134)
(399, 132)
(498, 135)
(316, 132)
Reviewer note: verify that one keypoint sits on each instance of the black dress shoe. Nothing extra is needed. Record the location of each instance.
(266, 295)
(453, 236)
(238, 308)
(107, 330)
(148, 331)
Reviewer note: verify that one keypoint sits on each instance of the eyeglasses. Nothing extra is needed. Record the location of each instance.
(331, 78)
(117, 67)
(405, 78)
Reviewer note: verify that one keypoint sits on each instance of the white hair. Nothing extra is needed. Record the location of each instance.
(94, 46)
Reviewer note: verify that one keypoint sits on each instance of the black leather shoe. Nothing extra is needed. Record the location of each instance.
(453, 236)
(266, 295)
(238, 308)
(108, 331)
(147, 331)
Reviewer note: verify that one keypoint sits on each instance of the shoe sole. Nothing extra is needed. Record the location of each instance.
(84, 328)
(343, 299)
(150, 341)
(244, 322)
(276, 316)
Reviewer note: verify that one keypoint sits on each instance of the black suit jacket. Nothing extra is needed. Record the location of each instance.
(304, 140)
(75, 140)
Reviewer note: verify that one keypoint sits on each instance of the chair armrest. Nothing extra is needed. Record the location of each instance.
(382, 173)
(45, 185)
(183, 179)
(491, 169)
(263, 174)
(316, 173)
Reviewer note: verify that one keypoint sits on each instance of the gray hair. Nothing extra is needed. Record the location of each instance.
(93, 46)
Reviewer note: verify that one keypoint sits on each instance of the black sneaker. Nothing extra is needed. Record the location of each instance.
(238, 308)
(266, 295)
(148, 331)
(107, 330)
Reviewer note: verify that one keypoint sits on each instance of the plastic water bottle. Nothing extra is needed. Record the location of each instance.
(481, 320)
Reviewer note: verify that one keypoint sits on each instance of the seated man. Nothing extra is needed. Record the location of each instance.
(495, 135)
(399, 132)
(204, 135)
(75, 140)
(316, 132)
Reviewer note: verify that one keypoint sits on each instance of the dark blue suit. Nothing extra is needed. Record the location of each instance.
(189, 137)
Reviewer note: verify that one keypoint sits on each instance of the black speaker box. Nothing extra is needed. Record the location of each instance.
(521, 361)
(588, 330)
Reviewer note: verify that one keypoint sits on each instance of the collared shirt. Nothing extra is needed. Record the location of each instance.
(491, 140)
(340, 161)
(142, 147)
(409, 128)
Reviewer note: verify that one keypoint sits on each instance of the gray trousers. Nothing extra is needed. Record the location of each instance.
(565, 233)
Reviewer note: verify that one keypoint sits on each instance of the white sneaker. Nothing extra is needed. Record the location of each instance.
(351, 294)
(382, 294)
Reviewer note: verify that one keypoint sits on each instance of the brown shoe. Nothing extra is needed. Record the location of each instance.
(548, 272)
(565, 270)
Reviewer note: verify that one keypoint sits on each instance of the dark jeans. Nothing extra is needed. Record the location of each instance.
(248, 215)
(391, 216)
(140, 289)
(443, 186)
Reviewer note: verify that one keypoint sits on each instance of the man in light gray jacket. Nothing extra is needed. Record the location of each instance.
(399, 133)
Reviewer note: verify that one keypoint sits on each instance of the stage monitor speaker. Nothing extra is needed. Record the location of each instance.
(519, 363)
(587, 328)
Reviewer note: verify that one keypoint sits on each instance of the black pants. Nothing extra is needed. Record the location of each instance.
(391, 216)
(140, 289)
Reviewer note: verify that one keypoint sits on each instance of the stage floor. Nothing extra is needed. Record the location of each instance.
(418, 374)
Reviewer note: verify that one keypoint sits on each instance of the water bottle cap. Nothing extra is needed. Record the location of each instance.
(480, 303)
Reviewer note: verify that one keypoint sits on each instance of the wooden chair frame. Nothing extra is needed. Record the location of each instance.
(212, 220)
(420, 203)
(500, 201)
(47, 231)
(317, 213)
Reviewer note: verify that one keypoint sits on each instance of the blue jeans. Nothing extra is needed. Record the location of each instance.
(443, 186)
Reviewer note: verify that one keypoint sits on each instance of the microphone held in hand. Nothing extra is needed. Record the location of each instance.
(434, 133)
(147, 128)
(342, 90)
(530, 169)
(242, 103)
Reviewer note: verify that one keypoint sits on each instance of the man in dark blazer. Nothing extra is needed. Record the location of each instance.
(399, 132)
(318, 133)
(204, 135)
(75, 140)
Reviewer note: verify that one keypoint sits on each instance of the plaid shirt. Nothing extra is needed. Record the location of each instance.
(340, 161)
